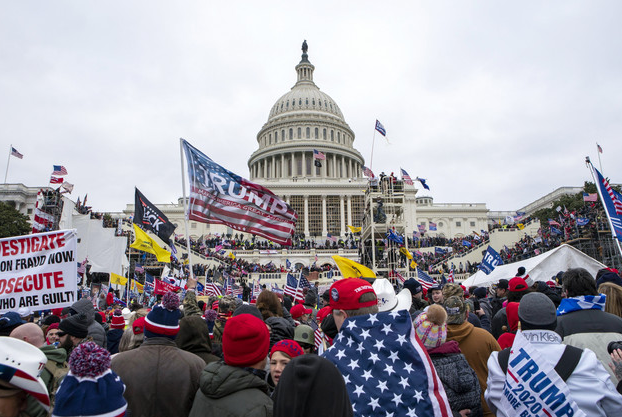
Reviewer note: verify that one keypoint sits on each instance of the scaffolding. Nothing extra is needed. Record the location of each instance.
(384, 229)
(52, 204)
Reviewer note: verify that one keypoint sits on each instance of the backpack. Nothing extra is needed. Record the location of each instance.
(58, 372)
(564, 368)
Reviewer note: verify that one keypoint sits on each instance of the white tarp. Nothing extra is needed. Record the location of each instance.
(104, 250)
(539, 268)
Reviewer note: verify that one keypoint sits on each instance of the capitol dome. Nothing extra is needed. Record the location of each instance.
(301, 121)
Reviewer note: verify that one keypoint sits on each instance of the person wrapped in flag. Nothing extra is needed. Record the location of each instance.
(386, 369)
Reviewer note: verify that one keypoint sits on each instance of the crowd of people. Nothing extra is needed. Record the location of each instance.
(361, 347)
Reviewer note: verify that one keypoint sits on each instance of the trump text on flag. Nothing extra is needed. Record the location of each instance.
(38, 271)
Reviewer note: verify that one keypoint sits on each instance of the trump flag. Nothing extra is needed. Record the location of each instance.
(219, 196)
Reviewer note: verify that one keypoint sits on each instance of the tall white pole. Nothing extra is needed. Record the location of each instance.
(9, 161)
(371, 159)
(183, 187)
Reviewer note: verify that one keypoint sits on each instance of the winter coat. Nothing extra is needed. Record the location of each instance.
(160, 378)
(476, 344)
(228, 391)
(194, 337)
(458, 378)
(497, 304)
(499, 321)
(96, 331)
(280, 328)
(485, 305)
(592, 329)
(588, 384)
(113, 339)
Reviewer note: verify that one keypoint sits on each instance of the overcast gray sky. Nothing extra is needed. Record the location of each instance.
(493, 102)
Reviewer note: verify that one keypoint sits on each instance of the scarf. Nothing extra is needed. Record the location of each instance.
(583, 302)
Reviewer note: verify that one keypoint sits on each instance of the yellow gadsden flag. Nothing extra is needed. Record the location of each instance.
(405, 252)
(117, 279)
(520, 226)
(144, 243)
(351, 269)
(354, 229)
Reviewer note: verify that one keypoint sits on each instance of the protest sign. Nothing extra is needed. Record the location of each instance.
(38, 271)
(490, 261)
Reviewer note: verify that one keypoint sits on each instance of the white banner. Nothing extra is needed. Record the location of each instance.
(532, 387)
(38, 271)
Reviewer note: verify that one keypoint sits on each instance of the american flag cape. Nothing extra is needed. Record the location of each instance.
(386, 369)
(219, 196)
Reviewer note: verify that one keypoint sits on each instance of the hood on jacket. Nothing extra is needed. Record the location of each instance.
(280, 329)
(451, 346)
(193, 335)
(53, 353)
(459, 332)
(219, 380)
(85, 306)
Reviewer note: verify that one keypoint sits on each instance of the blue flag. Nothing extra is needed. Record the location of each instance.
(423, 184)
(612, 200)
(439, 251)
(386, 369)
(582, 221)
(490, 261)
(466, 243)
(288, 264)
(391, 235)
(556, 231)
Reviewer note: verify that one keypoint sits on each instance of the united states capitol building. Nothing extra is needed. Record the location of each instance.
(328, 194)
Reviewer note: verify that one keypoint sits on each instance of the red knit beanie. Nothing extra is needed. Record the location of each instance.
(117, 321)
(245, 340)
(289, 347)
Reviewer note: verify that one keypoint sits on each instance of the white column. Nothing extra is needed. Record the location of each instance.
(350, 210)
(324, 228)
(306, 216)
(263, 163)
(282, 165)
(274, 167)
(343, 216)
(350, 173)
(293, 165)
(304, 165)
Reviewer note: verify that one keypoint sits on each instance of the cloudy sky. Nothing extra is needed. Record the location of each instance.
(491, 102)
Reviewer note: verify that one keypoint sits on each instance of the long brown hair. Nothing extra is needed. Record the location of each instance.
(613, 302)
(269, 304)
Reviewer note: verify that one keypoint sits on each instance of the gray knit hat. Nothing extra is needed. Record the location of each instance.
(536, 311)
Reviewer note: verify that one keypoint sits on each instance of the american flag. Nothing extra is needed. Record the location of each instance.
(424, 279)
(612, 194)
(368, 172)
(600, 149)
(292, 288)
(82, 266)
(237, 291)
(450, 277)
(331, 237)
(139, 268)
(554, 223)
(56, 180)
(221, 197)
(386, 369)
(318, 155)
(212, 289)
(256, 289)
(380, 128)
(406, 178)
(397, 275)
(59, 170)
(275, 289)
(200, 289)
(149, 283)
(16, 154)
(318, 337)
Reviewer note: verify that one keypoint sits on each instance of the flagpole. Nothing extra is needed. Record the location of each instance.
(183, 187)
(9, 161)
(600, 164)
(613, 232)
(371, 159)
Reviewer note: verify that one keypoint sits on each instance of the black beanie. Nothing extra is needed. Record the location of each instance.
(303, 389)
(48, 320)
(76, 325)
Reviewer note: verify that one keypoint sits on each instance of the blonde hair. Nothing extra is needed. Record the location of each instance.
(613, 302)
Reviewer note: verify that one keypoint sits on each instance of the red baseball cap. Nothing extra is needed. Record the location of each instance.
(345, 294)
(322, 313)
(298, 310)
(517, 284)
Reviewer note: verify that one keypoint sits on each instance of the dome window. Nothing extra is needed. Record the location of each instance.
(324, 134)
(307, 101)
(276, 136)
(338, 137)
(313, 102)
(299, 133)
(332, 135)
(317, 133)
(287, 104)
(281, 106)
(300, 102)
(308, 133)
(291, 133)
